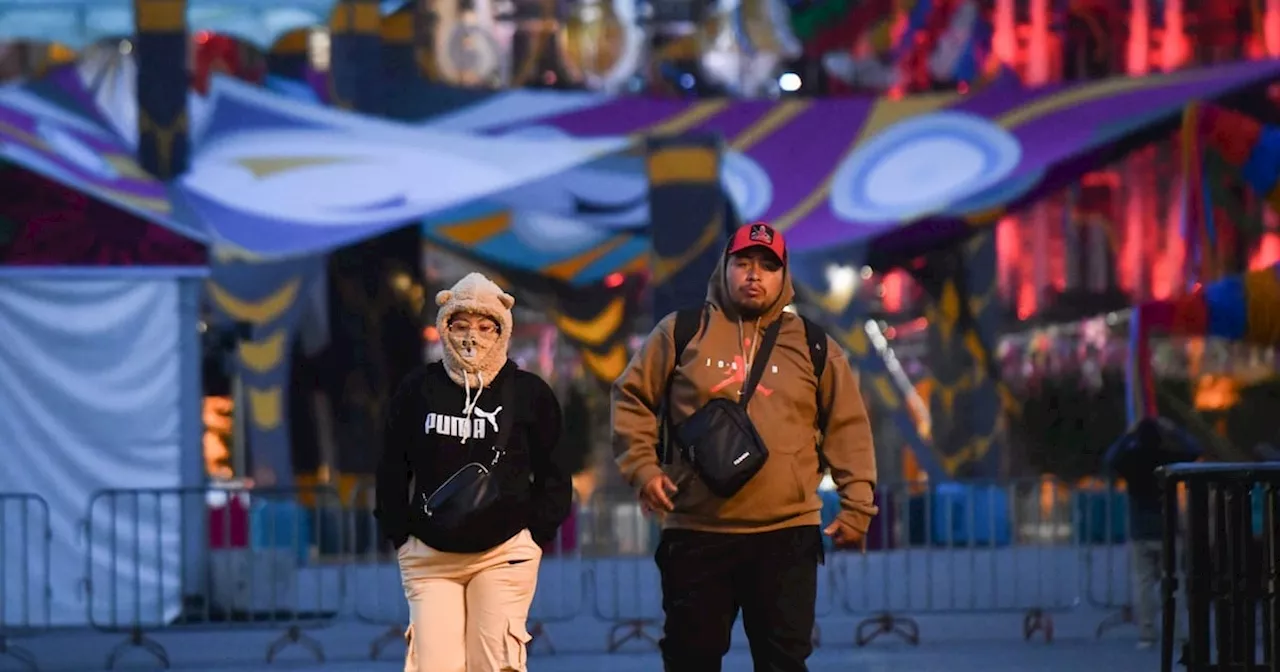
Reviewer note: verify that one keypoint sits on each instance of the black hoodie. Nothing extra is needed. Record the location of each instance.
(424, 446)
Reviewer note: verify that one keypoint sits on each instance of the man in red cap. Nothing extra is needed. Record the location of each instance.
(752, 544)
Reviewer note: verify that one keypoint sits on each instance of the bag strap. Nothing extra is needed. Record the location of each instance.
(816, 336)
(688, 322)
(761, 360)
(507, 422)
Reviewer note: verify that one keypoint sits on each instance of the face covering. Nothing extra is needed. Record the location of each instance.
(473, 340)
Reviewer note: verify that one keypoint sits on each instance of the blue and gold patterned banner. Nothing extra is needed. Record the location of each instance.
(965, 400)
(355, 65)
(267, 297)
(687, 214)
(399, 57)
(160, 48)
(288, 57)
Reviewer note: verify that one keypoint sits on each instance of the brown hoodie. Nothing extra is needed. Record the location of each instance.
(785, 491)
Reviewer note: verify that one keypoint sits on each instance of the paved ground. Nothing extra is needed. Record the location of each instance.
(958, 644)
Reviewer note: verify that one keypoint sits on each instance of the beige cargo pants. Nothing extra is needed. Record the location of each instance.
(467, 611)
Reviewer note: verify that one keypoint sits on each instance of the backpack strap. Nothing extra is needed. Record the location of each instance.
(687, 324)
(816, 337)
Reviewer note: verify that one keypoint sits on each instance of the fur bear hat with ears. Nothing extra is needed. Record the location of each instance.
(479, 295)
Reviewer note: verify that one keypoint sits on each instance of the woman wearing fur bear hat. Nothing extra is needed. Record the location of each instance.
(469, 563)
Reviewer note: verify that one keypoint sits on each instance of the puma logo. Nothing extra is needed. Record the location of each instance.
(490, 416)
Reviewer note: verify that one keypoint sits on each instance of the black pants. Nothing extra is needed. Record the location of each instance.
(707, 577)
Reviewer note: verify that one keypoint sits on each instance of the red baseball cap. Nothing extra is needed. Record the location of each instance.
(758, 234)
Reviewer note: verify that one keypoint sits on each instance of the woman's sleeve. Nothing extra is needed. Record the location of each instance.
(394, 473)
(552, 486)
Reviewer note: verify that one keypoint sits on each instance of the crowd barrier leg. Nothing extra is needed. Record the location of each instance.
(1037, 620)
(636, 629)
(1118, 619)
(294, 636)
(23, 656)
(869, 629)
(392, 635)
(137, 639)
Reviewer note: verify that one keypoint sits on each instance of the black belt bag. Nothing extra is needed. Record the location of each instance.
(720, 441)
(472, 490)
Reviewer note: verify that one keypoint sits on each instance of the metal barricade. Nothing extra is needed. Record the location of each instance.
(1106, 555)
(1232, 554)
(829, 594)
(379, 594)
(959, 548)
(195, 558)
(562, 583)
(626, 590)
(26, 589)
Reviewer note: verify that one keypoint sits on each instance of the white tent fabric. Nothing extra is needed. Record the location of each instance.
(111, 77)
(91, 390)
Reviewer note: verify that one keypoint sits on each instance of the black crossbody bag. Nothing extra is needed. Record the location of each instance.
(473, 489)
(720, 441)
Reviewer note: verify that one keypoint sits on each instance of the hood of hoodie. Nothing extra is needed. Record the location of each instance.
(477, 294)
(718, 291)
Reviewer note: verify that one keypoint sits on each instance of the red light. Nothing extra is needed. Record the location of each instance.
(962, 88)
(202, 37)
(613, 280)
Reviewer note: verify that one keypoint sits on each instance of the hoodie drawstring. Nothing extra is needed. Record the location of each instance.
(470, 406)
(748, 358)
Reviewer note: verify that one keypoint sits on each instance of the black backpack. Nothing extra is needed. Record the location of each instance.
(690, 321)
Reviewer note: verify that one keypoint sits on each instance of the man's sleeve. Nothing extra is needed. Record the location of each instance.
(635, 400)
(847, 442)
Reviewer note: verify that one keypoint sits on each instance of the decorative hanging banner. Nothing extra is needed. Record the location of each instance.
(597, 320)
(687, 211)
(265, 296)
(355, 64)
(965, 401)
(399, 57)
(160, 48)
(288, 57)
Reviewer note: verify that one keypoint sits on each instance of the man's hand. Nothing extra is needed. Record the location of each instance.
(655, 496)
(844, 536)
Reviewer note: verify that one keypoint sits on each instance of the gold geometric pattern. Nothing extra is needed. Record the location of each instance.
(598, 330)
(261, 311)
(262, 355)
(265, 406)
(606, 367)
(165, 137)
